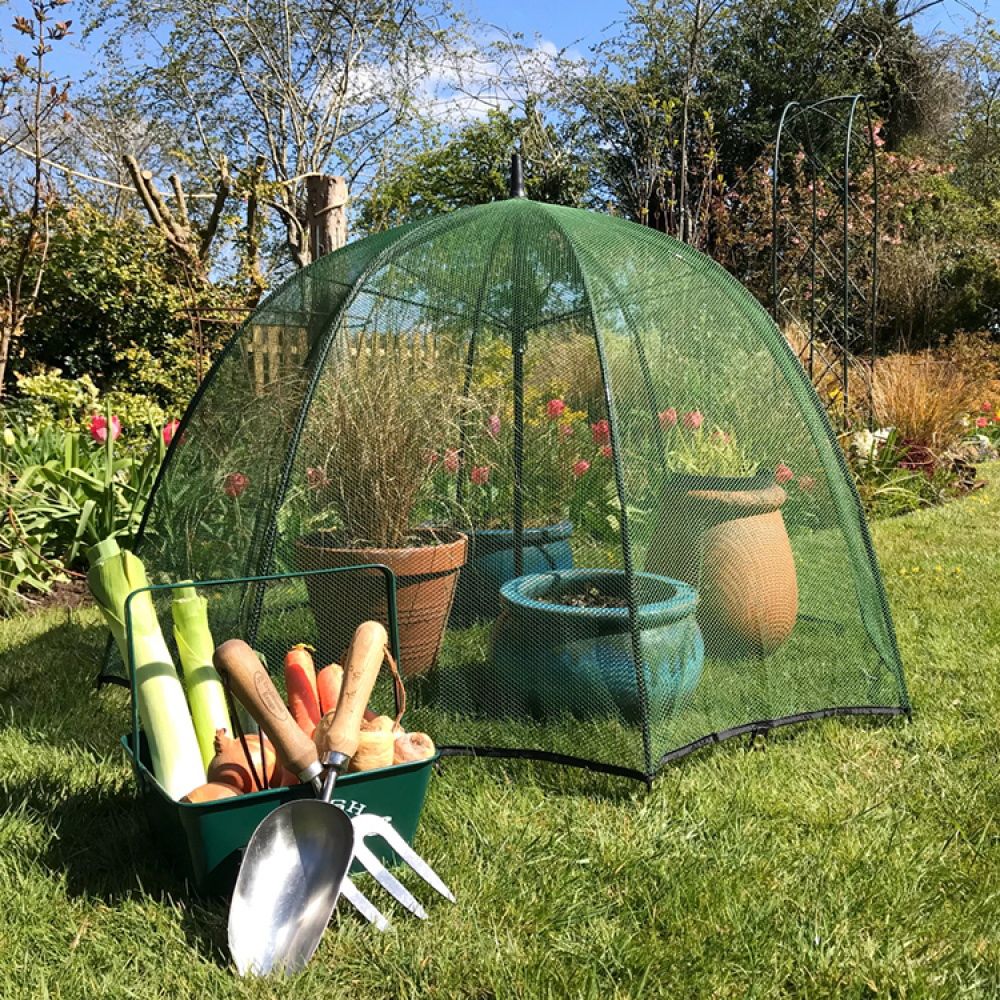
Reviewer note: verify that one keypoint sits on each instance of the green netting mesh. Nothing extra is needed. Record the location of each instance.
(620, 521)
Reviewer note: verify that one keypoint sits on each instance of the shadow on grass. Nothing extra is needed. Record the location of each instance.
(47, 687)
(102, 841)
(103, 845)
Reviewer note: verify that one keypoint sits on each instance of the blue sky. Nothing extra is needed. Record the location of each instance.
(563, 22)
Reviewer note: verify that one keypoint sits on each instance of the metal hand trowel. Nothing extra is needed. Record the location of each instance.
(298, 857)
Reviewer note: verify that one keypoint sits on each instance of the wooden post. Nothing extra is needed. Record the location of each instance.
(326, 214)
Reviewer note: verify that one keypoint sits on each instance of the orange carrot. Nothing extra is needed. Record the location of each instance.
(300, 683)
(328, 682)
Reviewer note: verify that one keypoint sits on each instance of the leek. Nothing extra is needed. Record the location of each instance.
(204, 688)
(163, 710)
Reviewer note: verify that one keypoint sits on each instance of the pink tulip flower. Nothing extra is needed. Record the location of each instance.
(480, 475)
(555, 408)
(316, 478)
(235, 484)
(99, 427)
(783, 474)
(581, 468)
(982, 422)
(451, 461)
(169, 430)
(692, 420)
(565, 431)
(494, 426)
(668, 419)
(601, 432)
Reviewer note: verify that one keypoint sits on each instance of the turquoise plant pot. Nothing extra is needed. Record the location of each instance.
(549, 659)
(491, 564)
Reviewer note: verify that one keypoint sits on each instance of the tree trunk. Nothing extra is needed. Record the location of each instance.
(9, 332)
(326, 215)
(683, 228)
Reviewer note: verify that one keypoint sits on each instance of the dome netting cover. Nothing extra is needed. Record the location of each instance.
(583, 446)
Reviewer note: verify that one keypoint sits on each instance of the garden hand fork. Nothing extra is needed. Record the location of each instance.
(295, 865)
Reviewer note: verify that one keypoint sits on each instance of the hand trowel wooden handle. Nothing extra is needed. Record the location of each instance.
(339, 732)
(239, 666)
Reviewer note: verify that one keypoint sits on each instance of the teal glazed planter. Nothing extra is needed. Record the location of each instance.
(550, 659)
(491, 564)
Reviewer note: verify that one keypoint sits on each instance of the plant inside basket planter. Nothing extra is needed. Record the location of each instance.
(364, 470)
(565, 467)
(719, 528)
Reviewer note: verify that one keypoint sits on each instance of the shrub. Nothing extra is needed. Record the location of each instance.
(48, 399)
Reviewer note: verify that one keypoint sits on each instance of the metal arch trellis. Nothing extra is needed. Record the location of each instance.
(824, 249)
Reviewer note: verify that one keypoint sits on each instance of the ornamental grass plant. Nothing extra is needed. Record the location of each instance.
(925, 398)
(368, 446)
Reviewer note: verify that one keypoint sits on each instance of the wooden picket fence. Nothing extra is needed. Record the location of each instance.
(275, 352)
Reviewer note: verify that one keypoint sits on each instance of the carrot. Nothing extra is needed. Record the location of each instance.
(328, 682)
(300, 683)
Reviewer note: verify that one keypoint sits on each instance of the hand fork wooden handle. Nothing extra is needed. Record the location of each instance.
(338, 732)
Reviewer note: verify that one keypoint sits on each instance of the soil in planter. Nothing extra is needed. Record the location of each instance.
(589, 598)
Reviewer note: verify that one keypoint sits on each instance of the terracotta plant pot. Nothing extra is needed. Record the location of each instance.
(425, 587)
(726, 536)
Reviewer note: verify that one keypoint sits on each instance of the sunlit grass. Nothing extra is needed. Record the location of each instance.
(841, 859)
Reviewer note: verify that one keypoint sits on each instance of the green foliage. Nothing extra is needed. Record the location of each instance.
(939, 249)
(48, 399)
(887, 482)
(472, 167)
(111, 308)
(61, 491)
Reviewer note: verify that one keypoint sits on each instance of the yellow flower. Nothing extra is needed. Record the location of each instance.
(939, 568)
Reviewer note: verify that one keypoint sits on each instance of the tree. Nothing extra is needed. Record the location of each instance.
(313, 88)
(30, 101)
(654, 155)
(976, 140)
(679, 39)
(472, 167)
(112, 307)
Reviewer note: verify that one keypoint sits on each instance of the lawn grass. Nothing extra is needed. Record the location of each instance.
(845, 858)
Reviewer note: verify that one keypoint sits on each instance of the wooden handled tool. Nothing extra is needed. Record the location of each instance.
(239, 666)
(339, 732)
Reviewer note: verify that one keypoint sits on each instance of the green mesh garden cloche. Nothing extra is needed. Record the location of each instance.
(620, 522)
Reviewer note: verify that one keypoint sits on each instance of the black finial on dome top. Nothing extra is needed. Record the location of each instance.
(516, 176)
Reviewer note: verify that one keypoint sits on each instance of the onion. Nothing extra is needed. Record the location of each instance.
(211, 792)
(229, 765)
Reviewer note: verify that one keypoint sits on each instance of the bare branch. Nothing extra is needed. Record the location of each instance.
(225, 183)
